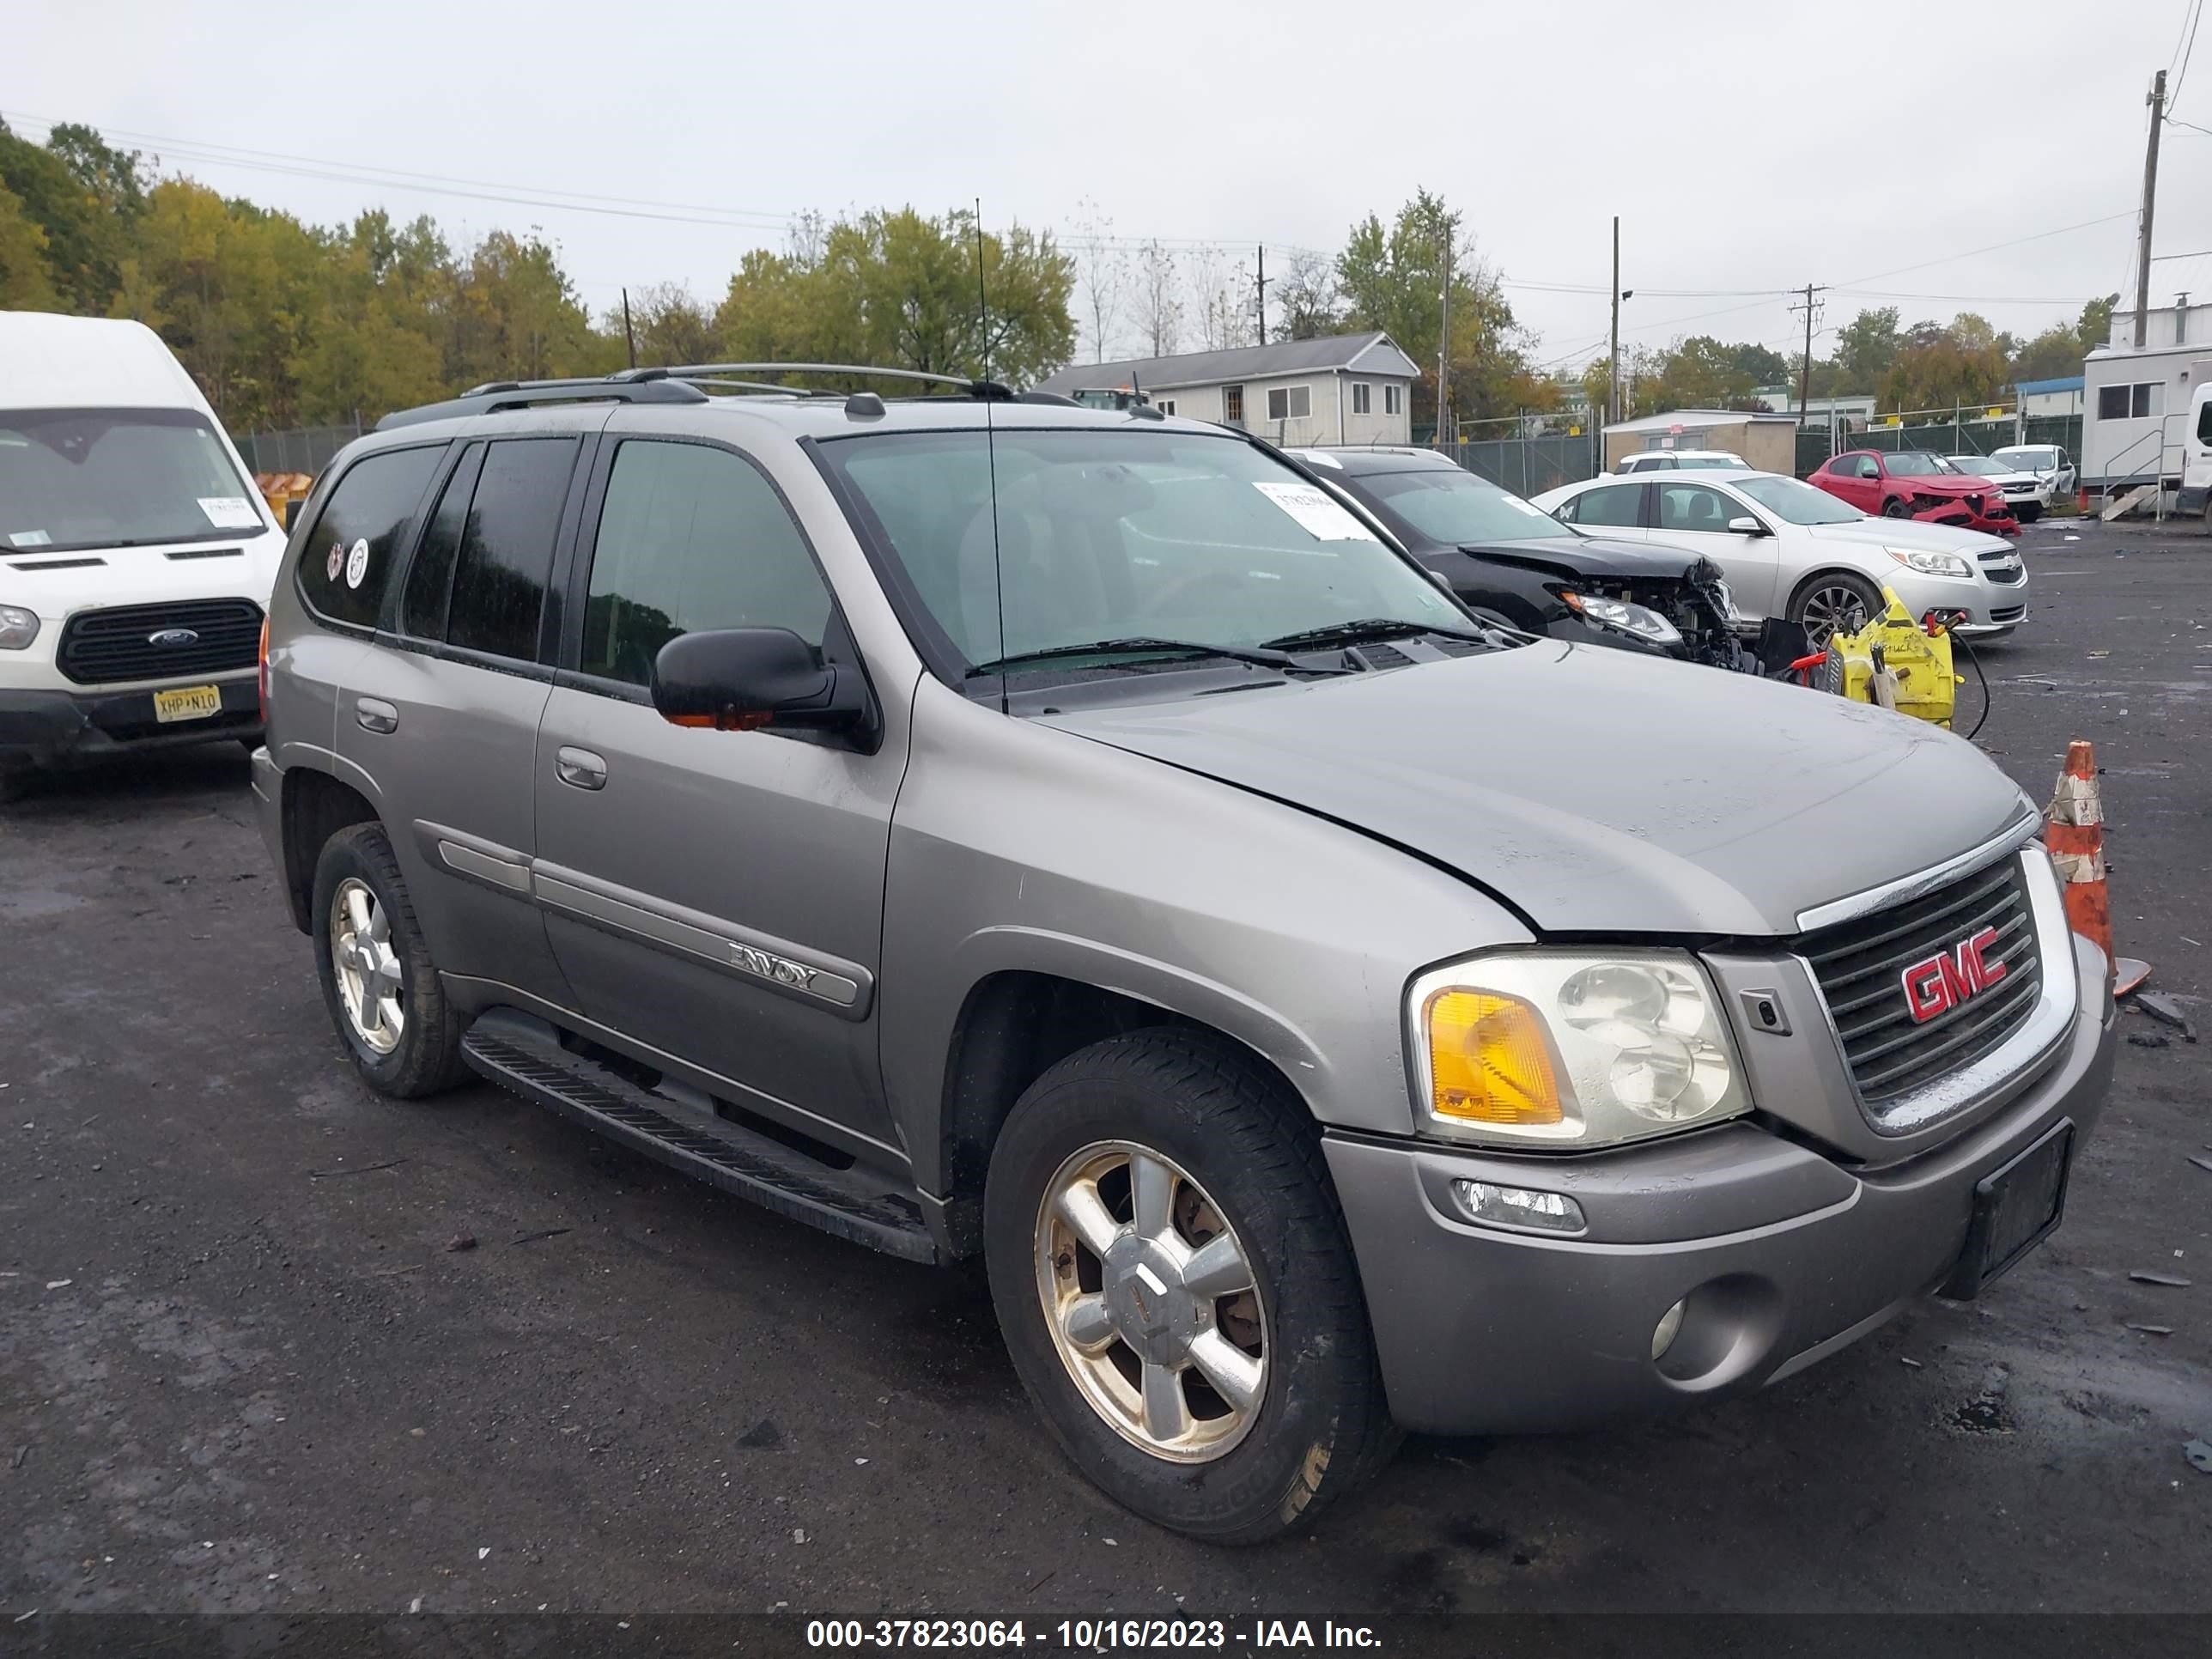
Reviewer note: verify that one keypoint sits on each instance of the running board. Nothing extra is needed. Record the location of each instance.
(524, 1055)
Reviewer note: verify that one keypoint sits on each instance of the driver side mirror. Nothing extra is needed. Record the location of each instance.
(1746, 525)
(742, 679)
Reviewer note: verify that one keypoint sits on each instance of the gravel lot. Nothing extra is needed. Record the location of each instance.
(242, 1368)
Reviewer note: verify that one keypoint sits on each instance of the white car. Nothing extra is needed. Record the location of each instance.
(2044, 460)
(2027, 493)
(1681, 460)
(1794, 551)
(136, 554)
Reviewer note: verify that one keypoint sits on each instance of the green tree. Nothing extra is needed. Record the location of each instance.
(1866, 347)
(1393, 280)
(1701, 372)
(671, 325)
(2052, 355)
(1763, 364)
(85, 240)
(1941, 366)
(900, 288)
(25, 283)
(2095, 327)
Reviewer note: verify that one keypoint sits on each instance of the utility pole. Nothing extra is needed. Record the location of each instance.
(1263, 296)
(1805, 368)
(2157, 101)
(1444, 347)
(1613, 369)
(628, 333)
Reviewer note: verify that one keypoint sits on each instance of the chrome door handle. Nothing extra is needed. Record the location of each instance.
(581, 768)
(375, 715)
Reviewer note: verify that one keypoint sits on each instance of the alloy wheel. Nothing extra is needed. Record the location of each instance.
(367, 967)
(1151, 1302)
(1832, 610)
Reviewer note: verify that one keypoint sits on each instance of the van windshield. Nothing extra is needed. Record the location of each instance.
(1104, 536)
(118, 477)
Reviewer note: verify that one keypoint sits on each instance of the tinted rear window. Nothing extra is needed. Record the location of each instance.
(506, 554)
(346, 561)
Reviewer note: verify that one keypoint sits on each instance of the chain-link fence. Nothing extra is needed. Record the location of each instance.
(1956, 434)
(304, 449)
(1527, 454)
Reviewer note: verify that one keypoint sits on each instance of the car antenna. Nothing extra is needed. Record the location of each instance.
(991, 453)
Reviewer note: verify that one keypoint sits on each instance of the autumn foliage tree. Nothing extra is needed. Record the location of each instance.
(285, 323)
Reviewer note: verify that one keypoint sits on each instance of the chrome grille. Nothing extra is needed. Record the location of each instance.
(1860, 967)
(99, 648)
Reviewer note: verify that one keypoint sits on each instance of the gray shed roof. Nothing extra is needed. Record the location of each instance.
(1693, 418)
(1373, 353)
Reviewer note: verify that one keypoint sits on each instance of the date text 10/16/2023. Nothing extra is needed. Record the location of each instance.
(1086, 1635)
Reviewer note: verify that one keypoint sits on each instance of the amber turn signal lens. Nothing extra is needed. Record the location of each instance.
(1488, 1060)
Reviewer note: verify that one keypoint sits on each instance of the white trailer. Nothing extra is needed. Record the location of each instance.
(2136, 401)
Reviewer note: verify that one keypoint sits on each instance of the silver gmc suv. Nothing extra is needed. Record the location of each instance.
(983, 827)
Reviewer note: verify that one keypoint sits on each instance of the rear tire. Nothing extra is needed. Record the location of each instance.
(1237, 1166)
(377, 980)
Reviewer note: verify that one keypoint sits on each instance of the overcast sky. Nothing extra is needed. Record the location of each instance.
(1745, 146)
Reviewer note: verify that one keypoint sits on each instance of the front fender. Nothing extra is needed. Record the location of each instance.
(1020, 847)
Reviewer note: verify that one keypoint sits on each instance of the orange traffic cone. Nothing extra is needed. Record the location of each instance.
(2073, 829)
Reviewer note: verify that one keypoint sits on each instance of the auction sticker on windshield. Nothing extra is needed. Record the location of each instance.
(230, 513)
(1320, 517)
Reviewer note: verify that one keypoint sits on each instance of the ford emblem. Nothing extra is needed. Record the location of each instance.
(173, 636)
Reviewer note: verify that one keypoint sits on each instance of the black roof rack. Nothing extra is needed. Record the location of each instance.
(496, 395)
(678, 384)
(990, 391)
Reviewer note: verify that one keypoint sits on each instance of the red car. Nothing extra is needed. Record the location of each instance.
(1911, 484)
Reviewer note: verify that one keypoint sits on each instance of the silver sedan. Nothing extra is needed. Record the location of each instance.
(1791, 551)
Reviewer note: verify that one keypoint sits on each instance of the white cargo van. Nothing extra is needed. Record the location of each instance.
(136, 554)
(2195, 501)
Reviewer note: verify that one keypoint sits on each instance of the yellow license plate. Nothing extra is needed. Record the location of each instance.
(187, 702)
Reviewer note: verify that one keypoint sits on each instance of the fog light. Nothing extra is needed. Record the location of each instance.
(1517, 1207)
(1663, 1334)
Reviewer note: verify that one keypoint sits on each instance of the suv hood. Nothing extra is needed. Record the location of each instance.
(1598, 792)
(1587, 556)
(1911, 534)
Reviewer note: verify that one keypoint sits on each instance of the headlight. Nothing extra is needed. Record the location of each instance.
(1932, 564)
(18, 627)
(1633, 620)
(1571, 1048)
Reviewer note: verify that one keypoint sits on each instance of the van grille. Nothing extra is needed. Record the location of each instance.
(99, 648)
(1860, 968)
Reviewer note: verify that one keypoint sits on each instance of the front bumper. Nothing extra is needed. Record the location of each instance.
(57, 728)
(1784, 1255)
(1991, 607)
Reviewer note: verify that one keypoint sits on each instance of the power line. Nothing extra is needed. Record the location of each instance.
(2179, 66)
(433, 182)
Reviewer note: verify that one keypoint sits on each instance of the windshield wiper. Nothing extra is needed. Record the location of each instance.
(1143, 645)
(1371, 628)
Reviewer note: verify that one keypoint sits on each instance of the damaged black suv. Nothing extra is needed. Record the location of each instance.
(1509, 557)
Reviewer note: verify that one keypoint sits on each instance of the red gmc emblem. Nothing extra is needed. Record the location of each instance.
(1942, 982)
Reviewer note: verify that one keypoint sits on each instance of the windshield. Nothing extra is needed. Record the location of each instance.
(1912, 464)
(1448, 504)
(117, 477)
(1103, 535)
(1799, 504)
(2027, 460)
(1713, 463)
(1986, 466)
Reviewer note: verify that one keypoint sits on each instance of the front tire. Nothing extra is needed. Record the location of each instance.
(1896, 507)
(377, 980)
(1177, 1290)
(1835, 601)
(2028, 512)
